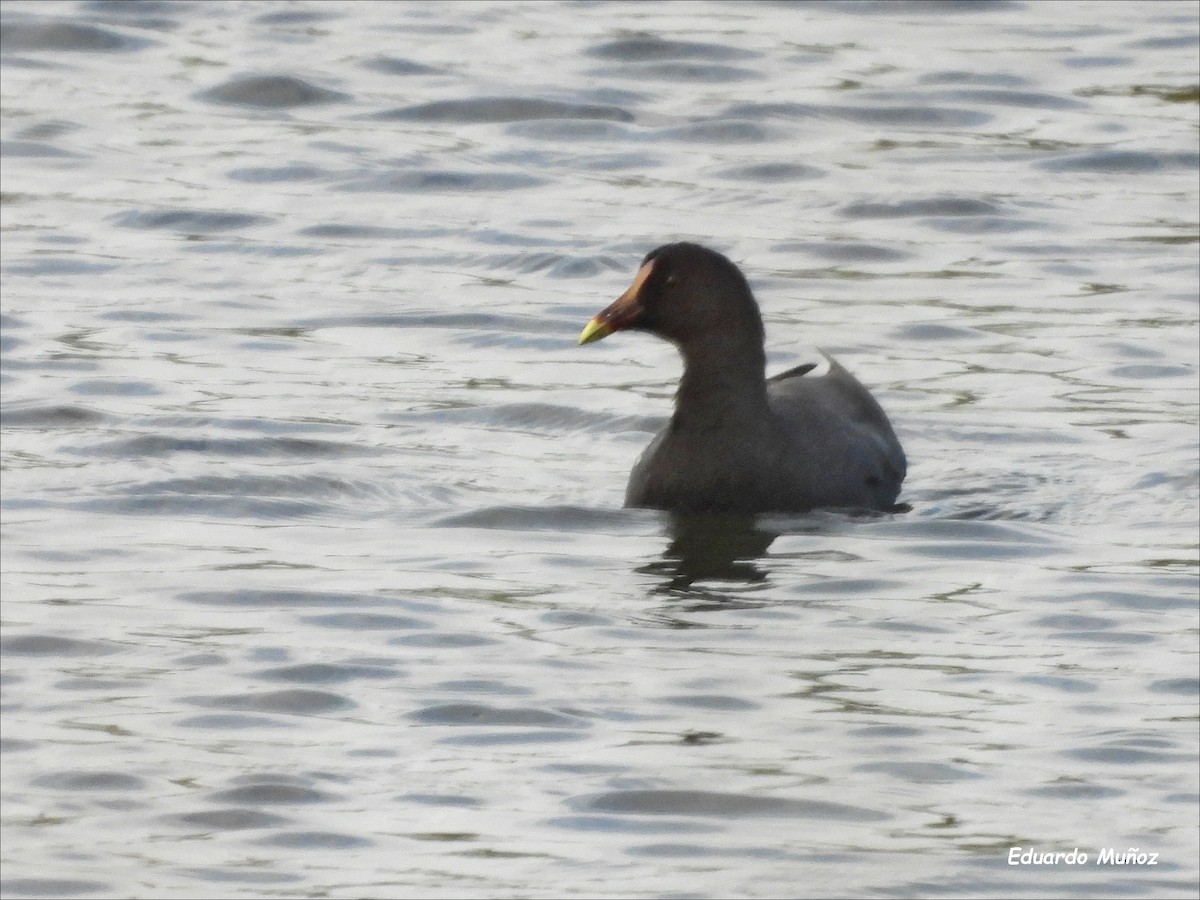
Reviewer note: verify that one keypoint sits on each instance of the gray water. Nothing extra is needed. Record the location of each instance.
(316, 580)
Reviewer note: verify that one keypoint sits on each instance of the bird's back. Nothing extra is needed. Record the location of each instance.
(840, 447)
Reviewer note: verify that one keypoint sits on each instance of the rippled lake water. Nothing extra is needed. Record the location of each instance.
(316, 580)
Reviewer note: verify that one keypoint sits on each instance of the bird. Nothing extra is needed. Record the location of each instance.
(738, 442)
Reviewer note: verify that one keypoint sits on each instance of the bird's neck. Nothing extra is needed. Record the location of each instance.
(723, 389)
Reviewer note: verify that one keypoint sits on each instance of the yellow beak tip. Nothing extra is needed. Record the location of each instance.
(594, 331)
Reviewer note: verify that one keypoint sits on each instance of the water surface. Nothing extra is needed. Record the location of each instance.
(316, 580)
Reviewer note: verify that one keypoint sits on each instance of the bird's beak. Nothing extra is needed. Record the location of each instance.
(622, 313)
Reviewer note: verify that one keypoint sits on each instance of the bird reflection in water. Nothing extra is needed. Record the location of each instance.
(710, 547)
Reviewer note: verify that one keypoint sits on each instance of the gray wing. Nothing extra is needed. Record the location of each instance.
(839, 435)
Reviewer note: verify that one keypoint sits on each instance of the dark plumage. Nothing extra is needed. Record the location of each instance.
(739, 442)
